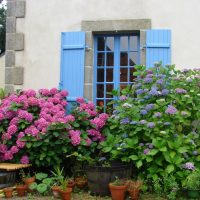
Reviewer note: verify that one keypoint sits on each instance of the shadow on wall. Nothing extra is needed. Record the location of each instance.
(2, 70)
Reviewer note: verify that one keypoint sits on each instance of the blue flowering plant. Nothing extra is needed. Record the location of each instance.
(156, 122)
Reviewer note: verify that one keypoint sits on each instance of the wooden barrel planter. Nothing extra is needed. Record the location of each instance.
(7, 179)
(99, 177)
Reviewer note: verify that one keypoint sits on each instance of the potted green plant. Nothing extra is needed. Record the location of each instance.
(134, 187)
(28, 179)
(21, 189)
(118, 189)
(43, 183)
(65, 191)
(192, 184)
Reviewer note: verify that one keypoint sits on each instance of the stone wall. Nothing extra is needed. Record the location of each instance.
(2, 70)
(14, 44)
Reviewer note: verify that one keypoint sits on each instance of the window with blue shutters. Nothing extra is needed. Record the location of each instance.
(115, 58)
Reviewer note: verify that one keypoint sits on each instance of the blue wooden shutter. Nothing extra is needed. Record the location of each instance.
(72, 64)
(158, 47)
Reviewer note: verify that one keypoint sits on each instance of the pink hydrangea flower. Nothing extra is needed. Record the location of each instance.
(75, 137)
(23, 114)
(12, 129)
(53, 91)
(24, 159)
(20, 144)
(80, 100)
(88, 141)
(14, 149)
(97, 122)
(8, 155)
(69, 118)
(1, 117)
(103, 116)
(3, 148)
(44, 92)
(30, 93)
(64, 93)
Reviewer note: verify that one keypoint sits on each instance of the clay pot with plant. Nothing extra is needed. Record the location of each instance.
(70, 183)
(118, 189)
(28, 179)
(65, 191)
(21, 189)
(134, 187)
(8, 192)
(81, 181)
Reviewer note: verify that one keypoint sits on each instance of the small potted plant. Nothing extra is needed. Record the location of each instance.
(28, 179)
(21, 189)
(8, 192)
(71, 183)
(81, 181)
(133, 187)
(118, 189)
(65, 191)
(192, 184)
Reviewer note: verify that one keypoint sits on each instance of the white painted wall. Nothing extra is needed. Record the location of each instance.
(46, 19)
(2, 71)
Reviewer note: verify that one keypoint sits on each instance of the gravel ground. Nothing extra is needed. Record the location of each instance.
(86, 196)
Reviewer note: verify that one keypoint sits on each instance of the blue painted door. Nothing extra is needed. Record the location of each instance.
(72, 64)
(158, 47)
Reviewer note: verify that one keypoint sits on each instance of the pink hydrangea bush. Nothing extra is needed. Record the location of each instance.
(28, 113)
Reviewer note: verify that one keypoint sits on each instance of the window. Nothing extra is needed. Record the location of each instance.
(115, 58)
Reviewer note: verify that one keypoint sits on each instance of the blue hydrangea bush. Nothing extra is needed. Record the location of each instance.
(156, 123)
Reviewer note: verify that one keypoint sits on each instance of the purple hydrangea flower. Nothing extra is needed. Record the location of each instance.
(180, 91)
(150, 146)
(142, 122)
(151, 125)
(125, 121)
(141, 144)
(149, 75)
(160, 81)
(171, 110)
(154, 92)
(139, 91)
(123, 98)
(146, 151)
(149, 71)
(167, 123)
(148, 80)
(161, 76)
(157, 114)
(149, 107)
(138, 85)
(189, 165)
(165, 92)
(143, 112)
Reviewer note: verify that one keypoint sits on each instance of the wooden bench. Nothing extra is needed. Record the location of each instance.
(8, 173)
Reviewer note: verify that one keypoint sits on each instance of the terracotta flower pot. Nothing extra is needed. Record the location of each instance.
(117, 192)
(80, 182)
(66, 194)
(8, 192)
(28, 182)
(71, 184)
(134, 194)
(56, 191)
(21, 190)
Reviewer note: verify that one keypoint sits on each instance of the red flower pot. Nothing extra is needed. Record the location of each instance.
(66, 194)
(21, 190)
(117, 192)
(8, 192)
(28, 182)
(56, 191)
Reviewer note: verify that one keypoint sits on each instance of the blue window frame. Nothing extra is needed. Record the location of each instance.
(114, 59)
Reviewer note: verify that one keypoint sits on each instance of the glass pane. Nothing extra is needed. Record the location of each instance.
(123, 74)
(131, 74)
(133, 58)
(100, 103)
(110, 44)
(123, 59)
(100, 75)
(100, 91)
(101, 44)
(122, 86)
(110, 59)
(109, 88)
(133, 43)
(100, 59)
(124, 43)
(109, 75)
